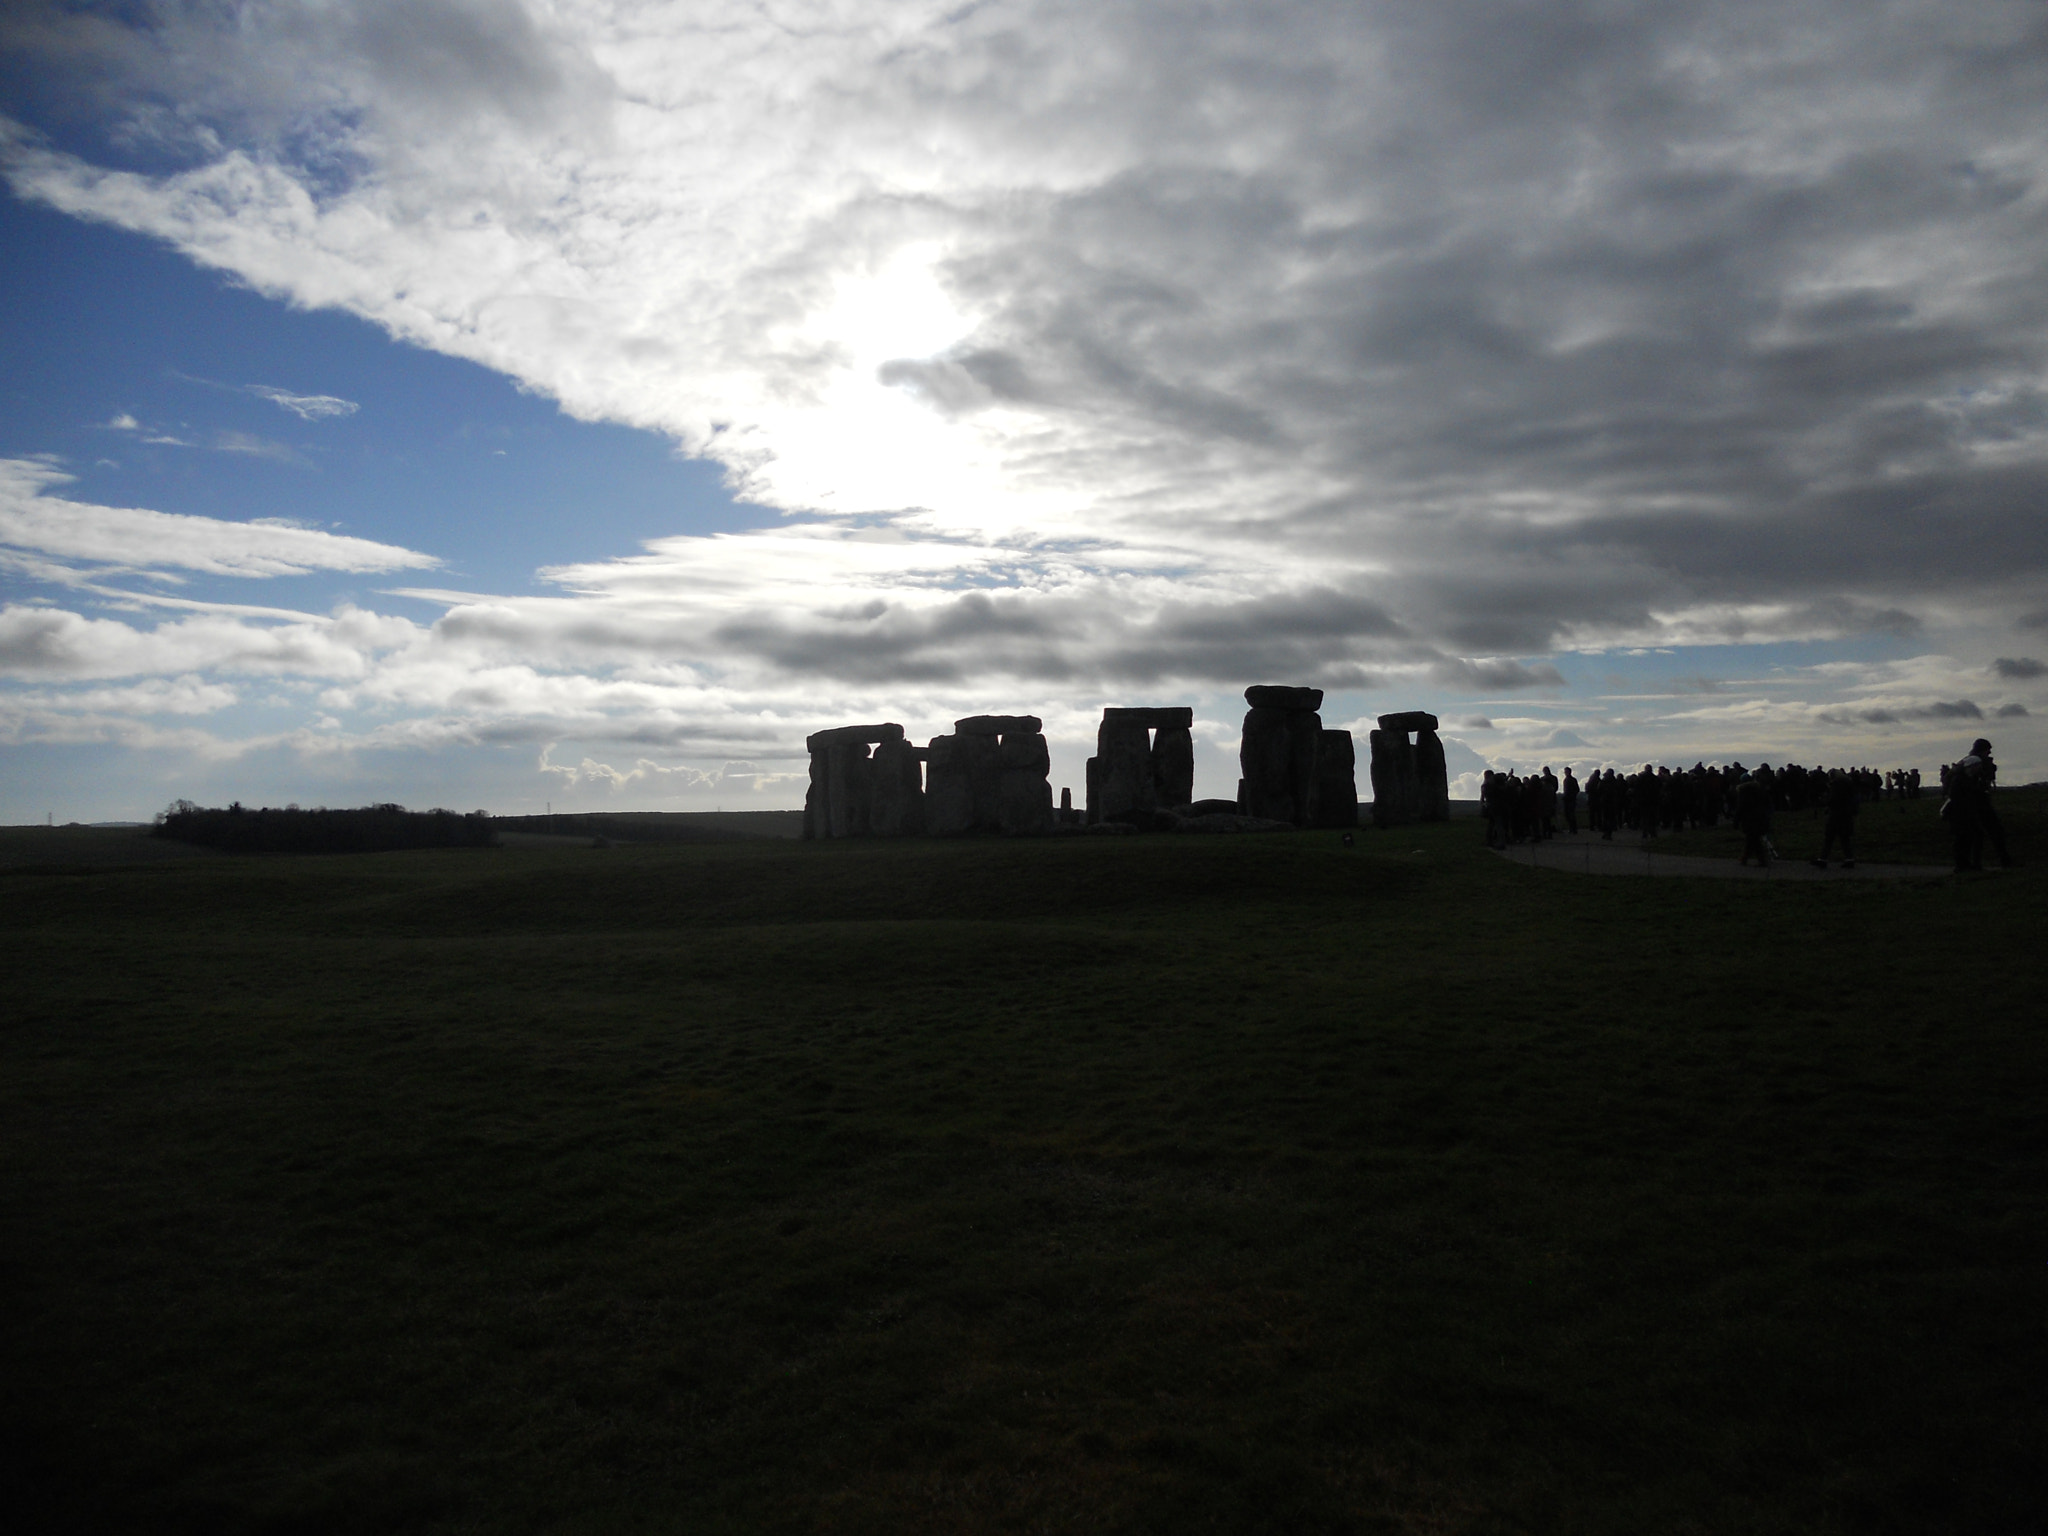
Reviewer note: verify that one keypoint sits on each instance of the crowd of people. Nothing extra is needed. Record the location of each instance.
(1656, 800)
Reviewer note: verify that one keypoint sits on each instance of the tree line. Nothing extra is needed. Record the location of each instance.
(366, 829)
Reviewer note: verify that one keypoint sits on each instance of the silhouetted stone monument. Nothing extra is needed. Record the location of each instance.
(1144, 762)
(989, 776)
(1294, 770)
(1409, 780)
(855, 795)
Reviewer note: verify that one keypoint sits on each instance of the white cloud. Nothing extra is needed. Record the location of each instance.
(187, 695)
(53, 644)
(306, 407)
(132, 538)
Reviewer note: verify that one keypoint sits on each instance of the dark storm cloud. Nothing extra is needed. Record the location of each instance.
(2019, 666)
(1957, 709)
(184, 75)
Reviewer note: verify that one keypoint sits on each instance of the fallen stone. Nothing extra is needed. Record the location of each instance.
(1212, 808)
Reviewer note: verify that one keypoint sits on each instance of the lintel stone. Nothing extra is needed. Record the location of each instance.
(1273, 696)
(865, 735)
(1168, 718)
(1409, 720)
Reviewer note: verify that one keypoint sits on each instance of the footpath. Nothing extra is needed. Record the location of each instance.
(1587, 855)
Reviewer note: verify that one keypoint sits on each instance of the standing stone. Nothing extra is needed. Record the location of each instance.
(1173, 766)
(981, 757)
(1393, 779)
(1336, 781)
(1282, 748)
(1304, 746)
(851, 782)
(1092, 790)
(1266, 755)
(1025, 798)
(949, 794)
(816, 822)
(1432, 779)
(896, 791)
(1123, 755)
(839, 801)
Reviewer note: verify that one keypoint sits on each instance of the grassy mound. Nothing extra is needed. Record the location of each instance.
(1112, 1184)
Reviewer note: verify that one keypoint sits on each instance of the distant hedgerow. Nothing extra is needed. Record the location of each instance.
(370, 829)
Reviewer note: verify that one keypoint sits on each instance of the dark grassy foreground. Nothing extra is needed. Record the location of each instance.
(1164, 1184)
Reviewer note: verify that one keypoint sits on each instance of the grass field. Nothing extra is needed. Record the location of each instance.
(1887, 831)
(1106, 1184)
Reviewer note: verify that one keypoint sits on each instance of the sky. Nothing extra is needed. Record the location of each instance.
(509, 403)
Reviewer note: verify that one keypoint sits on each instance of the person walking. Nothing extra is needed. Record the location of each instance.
(1967, 810)
(1843, 795)
(1753, 818)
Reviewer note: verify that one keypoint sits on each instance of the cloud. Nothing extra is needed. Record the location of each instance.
(1476, 723)
(133, 538)
(306, 407)
(187, 695)
(1108, 352)
(1520, 332)
(2012, 711)
(54, 644)
(1957, 709)
(741, 777)
(123, 422)
(2019, 667)
(1493, 674)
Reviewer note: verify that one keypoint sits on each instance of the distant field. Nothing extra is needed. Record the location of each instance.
(662, 826)
(1108, 1184)
(89, 847)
